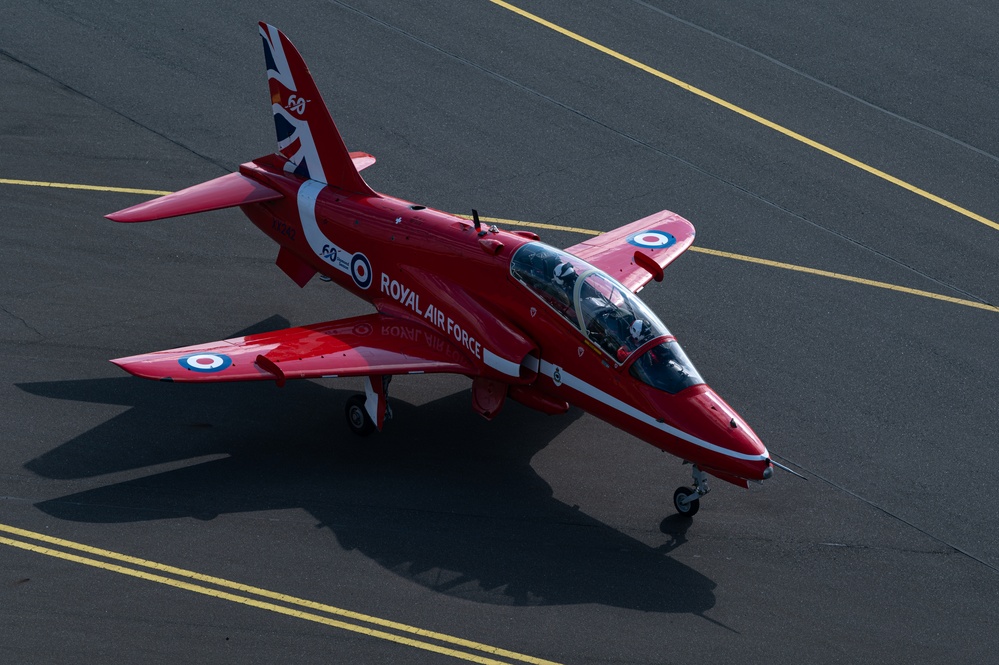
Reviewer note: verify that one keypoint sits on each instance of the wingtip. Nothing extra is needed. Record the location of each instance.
(121, 363)
(126, 365)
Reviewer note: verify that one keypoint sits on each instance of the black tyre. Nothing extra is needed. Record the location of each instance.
(358, 420)
(686, 509)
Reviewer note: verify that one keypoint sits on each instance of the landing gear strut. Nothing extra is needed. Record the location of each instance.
(368, 412)
(688, 501)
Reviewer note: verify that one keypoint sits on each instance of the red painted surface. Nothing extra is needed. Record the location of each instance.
(447, 297)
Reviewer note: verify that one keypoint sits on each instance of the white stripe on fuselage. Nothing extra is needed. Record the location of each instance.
(577, 384)
(499, 363)
(324, 248)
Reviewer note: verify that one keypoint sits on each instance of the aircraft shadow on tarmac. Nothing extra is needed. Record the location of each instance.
(441, 497)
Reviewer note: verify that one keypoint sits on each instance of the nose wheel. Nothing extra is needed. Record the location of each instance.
(687, 501)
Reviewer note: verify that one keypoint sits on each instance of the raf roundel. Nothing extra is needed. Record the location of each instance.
(652, 239)
(360, 270)
(205, 362)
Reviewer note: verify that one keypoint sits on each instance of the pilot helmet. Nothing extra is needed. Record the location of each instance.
(563, 272)
(637, 328)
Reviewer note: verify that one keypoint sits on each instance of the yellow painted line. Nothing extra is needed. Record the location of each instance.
(747, 114)
(95, 188)
(772, 264)
(245, 588)
(534, 225)
(38, 549)
(592, 232)
(846, 278)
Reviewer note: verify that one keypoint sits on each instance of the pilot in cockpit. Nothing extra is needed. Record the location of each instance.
(564, 277)
(638, 333)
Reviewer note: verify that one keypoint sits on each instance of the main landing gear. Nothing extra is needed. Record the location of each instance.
(368, 412)
(688, 501)
(358, 420)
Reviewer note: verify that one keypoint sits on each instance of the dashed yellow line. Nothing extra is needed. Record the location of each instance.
(592, 232)
(495, 652)
(746, 114)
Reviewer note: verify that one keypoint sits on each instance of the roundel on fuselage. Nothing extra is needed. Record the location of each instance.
(360, 270)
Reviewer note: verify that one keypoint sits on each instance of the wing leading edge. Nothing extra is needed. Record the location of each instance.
(361, 346)
(638, 252)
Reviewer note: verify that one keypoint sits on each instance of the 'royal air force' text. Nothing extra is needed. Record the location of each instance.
(408, 298)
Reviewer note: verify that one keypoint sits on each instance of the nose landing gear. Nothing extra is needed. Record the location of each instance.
(687, 501)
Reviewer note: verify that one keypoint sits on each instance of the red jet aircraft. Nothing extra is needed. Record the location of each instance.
(542, 326)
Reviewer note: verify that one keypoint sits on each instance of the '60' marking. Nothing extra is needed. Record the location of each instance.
(297, 104)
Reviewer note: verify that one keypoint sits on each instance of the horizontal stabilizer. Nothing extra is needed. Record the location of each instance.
(228, 191)
(362, 160)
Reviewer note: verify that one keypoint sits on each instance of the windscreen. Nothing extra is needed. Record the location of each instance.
(613, 317)
(666, 367)
(610, 315)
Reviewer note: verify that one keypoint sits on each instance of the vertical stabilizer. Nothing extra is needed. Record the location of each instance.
(306, 135)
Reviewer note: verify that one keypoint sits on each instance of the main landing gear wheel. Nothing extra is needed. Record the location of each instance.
(358, 420)
(686, 501)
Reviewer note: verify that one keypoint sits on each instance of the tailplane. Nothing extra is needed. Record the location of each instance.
(309, 146)
(306, 134)
(228, 191)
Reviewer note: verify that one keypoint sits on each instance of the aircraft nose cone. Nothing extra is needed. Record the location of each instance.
(726, 425)
(718, 423)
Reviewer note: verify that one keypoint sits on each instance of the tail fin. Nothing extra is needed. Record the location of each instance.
(306, 135)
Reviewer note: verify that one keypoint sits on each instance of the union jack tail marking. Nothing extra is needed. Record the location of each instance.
(306, 134)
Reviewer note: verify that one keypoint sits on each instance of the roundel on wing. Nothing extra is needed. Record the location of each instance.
(205, 362)
(360, 270)
(652, 239)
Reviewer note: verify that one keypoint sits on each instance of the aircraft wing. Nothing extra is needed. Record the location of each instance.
(636, 253)
(359, 346)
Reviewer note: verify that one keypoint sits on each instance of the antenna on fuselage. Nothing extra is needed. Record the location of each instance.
(478, 225)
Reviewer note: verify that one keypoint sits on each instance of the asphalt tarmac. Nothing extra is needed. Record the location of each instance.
(168, 523)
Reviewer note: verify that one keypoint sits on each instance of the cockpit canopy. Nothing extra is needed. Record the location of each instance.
(610, 315)
(666, 367)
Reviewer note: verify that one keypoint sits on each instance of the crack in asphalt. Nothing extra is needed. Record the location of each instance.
(62, 84)
(630, 138)
(634, 139)
(889, 513)
(23, 322)
(818, 81)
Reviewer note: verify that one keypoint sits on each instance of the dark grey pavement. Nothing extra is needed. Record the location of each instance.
(552, 537)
